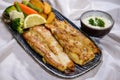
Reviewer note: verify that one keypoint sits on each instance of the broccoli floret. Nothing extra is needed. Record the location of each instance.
(17, 20)
(17, 25)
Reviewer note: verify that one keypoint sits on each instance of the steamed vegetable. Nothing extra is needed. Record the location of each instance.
(47, 10)
(18, 12)
(9, 9)
(38, 4)
(15, 14)
(17, 25)
(18, 7)
(17, 20)
(32, 6)
(27, 10)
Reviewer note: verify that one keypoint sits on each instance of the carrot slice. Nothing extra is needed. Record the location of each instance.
(27, 10)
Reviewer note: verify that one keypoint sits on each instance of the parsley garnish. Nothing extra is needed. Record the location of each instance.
(97, 22)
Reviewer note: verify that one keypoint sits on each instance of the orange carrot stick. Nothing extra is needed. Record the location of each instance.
(27, 10)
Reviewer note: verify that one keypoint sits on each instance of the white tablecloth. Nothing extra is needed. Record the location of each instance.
(16, 64)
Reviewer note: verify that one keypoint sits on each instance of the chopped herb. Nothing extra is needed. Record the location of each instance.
(91, 21)
(97, 22)
(100, 22)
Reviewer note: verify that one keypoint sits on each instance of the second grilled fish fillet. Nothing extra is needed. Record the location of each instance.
(79, 48)
(42, 41)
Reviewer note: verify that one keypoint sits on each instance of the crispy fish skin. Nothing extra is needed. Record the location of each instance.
(54, 46)
(78, 47)
(41, 48)
(42, 41)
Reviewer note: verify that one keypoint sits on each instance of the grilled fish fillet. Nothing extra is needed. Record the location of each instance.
(42, 41)
(78, 47)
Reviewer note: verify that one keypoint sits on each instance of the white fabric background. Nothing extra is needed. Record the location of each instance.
(16, 64)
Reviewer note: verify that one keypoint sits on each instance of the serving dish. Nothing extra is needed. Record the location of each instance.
(79, 70)
(96, 23)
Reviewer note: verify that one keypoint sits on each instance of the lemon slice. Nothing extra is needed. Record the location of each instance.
(33, 19)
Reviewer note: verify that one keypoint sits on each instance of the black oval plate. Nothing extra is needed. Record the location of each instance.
(79, 70)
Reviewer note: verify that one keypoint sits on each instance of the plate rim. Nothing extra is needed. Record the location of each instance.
(17, 36)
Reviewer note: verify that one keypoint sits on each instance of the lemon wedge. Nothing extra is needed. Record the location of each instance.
(33, 19)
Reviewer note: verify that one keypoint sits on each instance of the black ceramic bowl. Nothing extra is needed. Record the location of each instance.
(93, 31)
